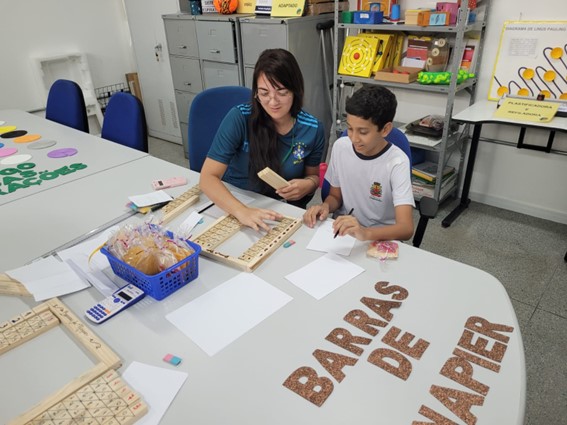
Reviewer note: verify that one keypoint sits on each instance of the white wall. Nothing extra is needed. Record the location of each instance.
(521, 180)
(33, 28)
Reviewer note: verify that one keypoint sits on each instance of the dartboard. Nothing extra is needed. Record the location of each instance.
(358, 56)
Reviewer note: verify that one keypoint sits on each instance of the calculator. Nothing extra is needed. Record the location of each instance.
(120, 300)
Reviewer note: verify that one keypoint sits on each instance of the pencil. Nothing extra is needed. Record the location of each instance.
(349, 213)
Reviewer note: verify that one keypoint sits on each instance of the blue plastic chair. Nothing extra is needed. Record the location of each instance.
(125, 122)
(208, 109)
(66, 105)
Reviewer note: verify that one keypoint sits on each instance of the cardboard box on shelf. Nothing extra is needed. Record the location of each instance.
(398, 74)
(326, 7)
(417, 17)
(134, 84)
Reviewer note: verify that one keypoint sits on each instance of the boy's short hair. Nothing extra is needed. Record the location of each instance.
(373, 102)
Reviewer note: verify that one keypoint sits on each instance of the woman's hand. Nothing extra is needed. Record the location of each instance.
(315, 212)
(297, 189)
(255, 218)
(349, 225)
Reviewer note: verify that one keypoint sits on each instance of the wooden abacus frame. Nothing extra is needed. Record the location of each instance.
(227, 226)
(180, 204)
(105, 357)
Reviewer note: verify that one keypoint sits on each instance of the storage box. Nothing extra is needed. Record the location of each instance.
(452, 8)
(327, 7)
(385, 5)
(439, 18)
(417, 17)
(162, 284)
(134, 84)
(363, 17)
(398, 74)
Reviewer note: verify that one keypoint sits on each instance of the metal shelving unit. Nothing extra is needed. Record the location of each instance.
(456, 37)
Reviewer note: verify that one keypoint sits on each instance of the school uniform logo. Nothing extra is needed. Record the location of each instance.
(376, 191)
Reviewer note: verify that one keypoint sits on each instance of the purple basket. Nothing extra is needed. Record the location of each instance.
(164, 283)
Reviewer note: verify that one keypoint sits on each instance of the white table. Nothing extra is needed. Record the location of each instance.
(483, 113)
(46, 220)
(242, 384)
(96, 153)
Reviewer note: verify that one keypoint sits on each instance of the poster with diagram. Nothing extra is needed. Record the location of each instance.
(531, 60)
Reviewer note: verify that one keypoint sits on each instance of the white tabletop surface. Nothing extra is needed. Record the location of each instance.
(40, 223)
(94, 152)
(242, 384)
(483, 112)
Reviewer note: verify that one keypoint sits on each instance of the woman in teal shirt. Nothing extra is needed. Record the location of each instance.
(271, 131)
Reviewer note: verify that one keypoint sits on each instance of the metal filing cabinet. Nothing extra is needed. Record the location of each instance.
(204, 52)
(217, 36)
(301, 37)
(213, 50)
(183, 49)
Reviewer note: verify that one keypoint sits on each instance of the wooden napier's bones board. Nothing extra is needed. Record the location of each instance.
(180, 204)
(272, 178)
(225, 227)
(98, 396)
(9, 286)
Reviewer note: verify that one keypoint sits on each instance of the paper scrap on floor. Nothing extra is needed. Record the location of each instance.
(91, 271)
(332, 272)
(225, 313)
(48, 278)
(158, 387)
(324, 240)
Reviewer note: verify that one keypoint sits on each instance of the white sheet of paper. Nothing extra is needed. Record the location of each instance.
(216, 212)
(188, 224)
(48, 278)
(324, 240)
(78, 258)
(158, 387)
(222, 315)
(150, 198)
(322, 276)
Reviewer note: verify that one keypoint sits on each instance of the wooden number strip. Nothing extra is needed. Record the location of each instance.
(272, 178)
(82, 333)
(105, 400)
(52, 313)
(180, 204)
(227, 226)
(24, 327)
(9, 286)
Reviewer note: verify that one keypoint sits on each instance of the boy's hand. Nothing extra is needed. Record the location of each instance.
(254, 218)
(315, 212)
(349, 225)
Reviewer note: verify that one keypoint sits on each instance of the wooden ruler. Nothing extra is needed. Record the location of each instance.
(180, 204)
(225, 227)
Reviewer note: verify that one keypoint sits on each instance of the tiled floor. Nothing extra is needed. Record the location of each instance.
(526, 255)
